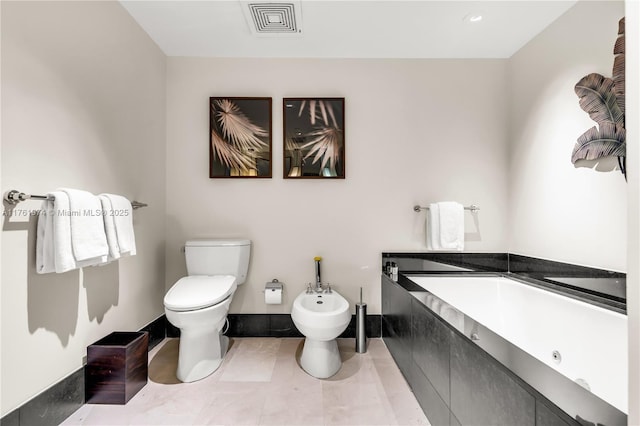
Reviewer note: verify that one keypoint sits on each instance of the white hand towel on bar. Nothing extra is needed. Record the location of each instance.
(451, 225)
(123, 219)
(433, 227)
(44, 239)
(54, 252)
(110, 227)
(445, 226)
(88, 239)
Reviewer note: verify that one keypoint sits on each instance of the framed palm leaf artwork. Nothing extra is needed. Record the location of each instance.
(239, 137)
(313, 138)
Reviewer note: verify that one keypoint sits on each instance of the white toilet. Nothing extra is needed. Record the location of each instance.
(198, 303)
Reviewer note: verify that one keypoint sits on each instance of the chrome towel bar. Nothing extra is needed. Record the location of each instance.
(14, 197)
(472, 207)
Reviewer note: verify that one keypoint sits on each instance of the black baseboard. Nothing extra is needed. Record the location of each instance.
(51, 406)
(62, 399)
(261, 325)
(157, 331)
(280, 325)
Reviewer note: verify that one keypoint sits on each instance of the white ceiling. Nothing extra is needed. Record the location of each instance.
(350, 29)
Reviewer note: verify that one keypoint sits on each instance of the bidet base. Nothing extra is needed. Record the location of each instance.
(320, 359)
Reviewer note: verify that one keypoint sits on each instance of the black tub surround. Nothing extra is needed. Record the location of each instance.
(597, 286)
(460, 381)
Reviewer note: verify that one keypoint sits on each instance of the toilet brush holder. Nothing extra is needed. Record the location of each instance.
(361, 322)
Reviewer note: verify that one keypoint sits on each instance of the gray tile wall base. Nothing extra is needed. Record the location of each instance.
(52, 406)
(261, 325)
(63, 398)
(157, 330)
(280, 325)
(58, 402)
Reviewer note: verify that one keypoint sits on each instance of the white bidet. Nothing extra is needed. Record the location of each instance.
(321, 318)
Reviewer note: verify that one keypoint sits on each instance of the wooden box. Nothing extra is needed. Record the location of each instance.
(117, 367)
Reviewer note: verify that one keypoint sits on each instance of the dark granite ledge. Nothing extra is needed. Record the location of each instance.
(530, 265)
(448, 262)
(595, 298)
(597, 286)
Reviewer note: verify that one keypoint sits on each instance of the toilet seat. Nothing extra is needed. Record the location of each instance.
(199, 291)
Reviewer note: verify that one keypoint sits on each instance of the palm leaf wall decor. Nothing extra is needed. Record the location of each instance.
(325, 144)
(603, 98)
(237, 128)
(314, 138)
(608, 140)
(598, 99)
(618, 66)
(229, 155)
(325, 139)
(240, 137)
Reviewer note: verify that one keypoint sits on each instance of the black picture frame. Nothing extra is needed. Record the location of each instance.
(313, 138)
(240, 134)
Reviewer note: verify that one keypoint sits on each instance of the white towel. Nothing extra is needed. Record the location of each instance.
(110, 227)
(54, 252)
(451, 225)
(62, 246)
(445, 226)
(123, 219)
(433, 227)
(44, 240)
(88, 238)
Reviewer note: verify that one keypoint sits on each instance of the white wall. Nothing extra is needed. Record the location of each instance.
(83, 105)
(417, 131)
(557, 211)
(632, 57)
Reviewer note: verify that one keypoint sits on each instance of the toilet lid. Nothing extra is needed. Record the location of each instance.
(199, 291)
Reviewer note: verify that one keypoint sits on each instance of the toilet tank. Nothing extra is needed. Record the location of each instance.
(218, 257)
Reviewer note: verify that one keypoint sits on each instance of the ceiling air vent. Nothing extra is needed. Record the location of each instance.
(273, 18)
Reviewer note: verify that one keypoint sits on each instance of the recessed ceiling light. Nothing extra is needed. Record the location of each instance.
(473, 17)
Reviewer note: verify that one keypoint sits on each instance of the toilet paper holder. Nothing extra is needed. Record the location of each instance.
(274, 285)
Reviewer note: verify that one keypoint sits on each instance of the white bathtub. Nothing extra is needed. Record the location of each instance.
(591, 341)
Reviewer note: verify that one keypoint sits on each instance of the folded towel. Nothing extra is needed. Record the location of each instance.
(44, 240)
(110, 227)
(54, 252)
(88, 238)
(433, 227)
(123, 220)
(451, 225)
(445, 226)
(62, 246)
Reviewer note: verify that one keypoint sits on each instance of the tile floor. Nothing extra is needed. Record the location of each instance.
(261, 383)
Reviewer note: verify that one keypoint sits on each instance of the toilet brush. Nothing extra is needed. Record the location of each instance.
(361, 319)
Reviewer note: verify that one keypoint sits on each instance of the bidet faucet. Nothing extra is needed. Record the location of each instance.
(318, 279)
